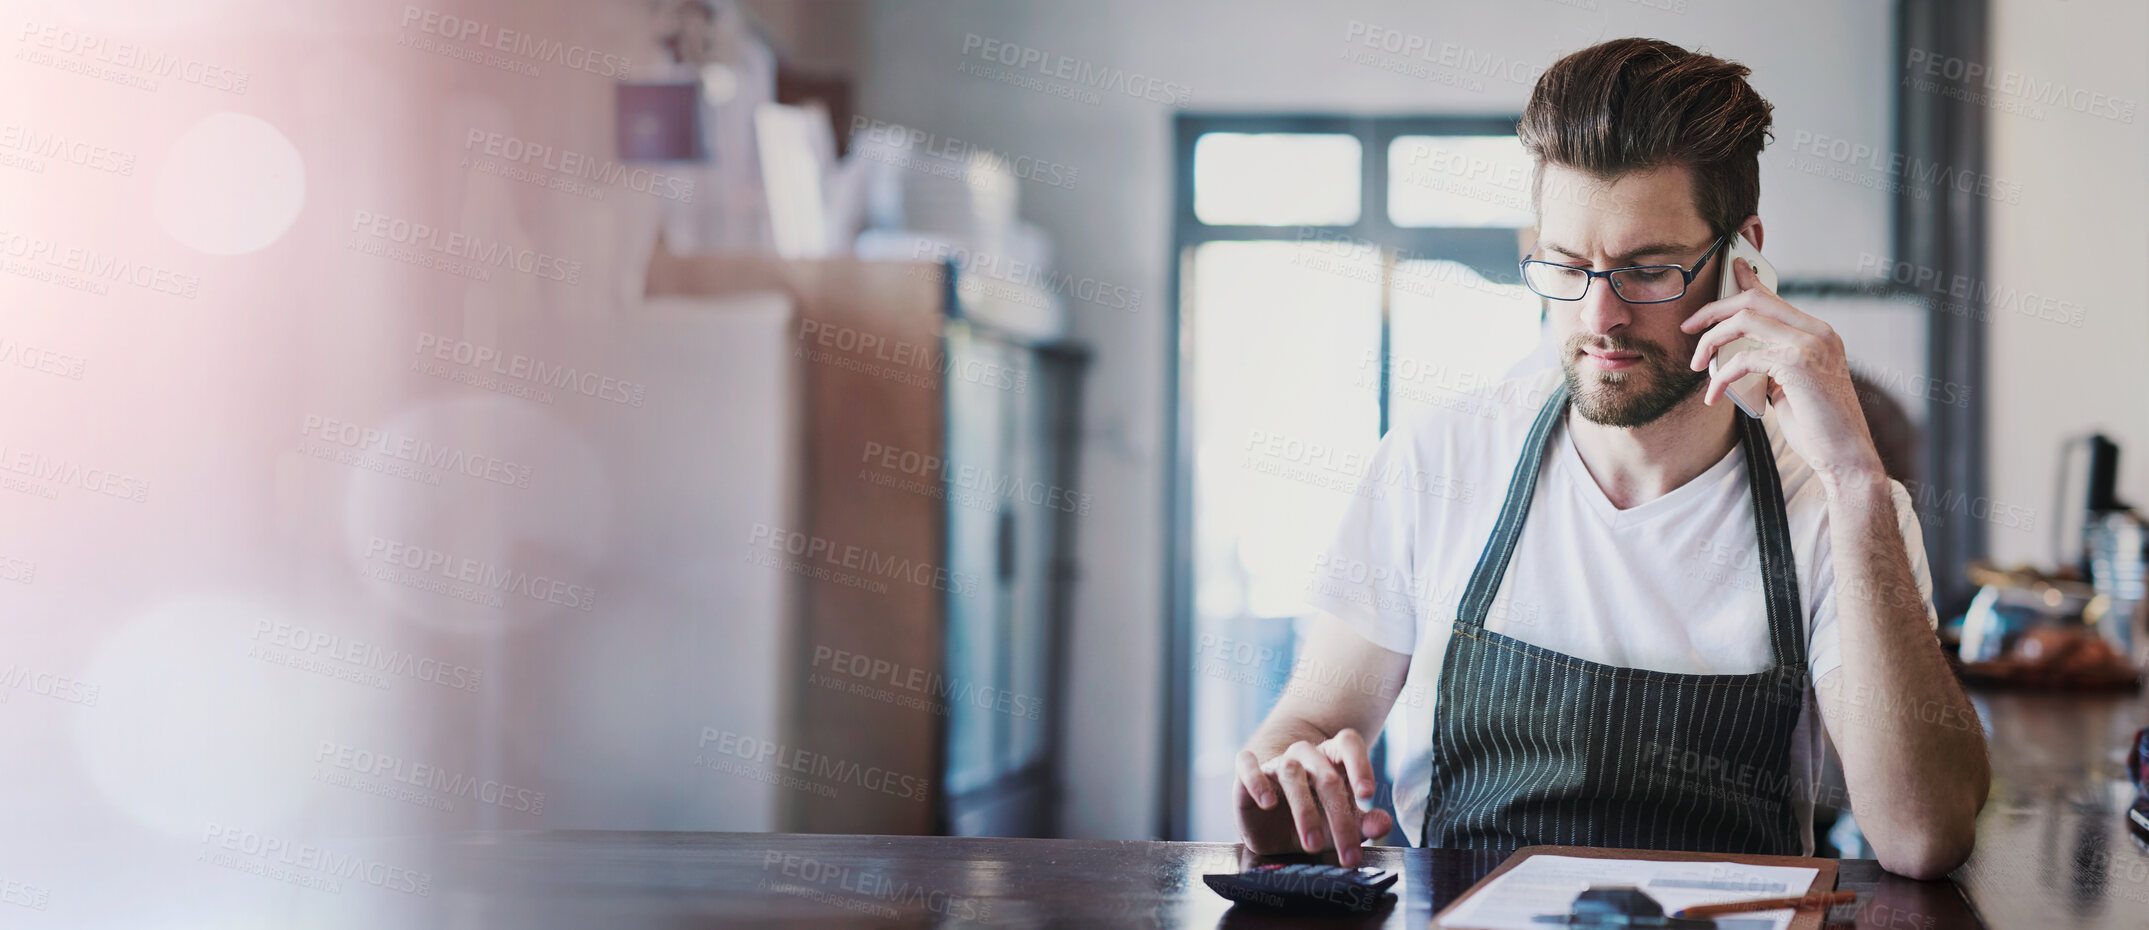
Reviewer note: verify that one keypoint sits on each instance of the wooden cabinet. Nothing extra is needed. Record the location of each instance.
(938, 459)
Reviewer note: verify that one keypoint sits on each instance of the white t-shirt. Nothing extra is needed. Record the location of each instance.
(1672, 585)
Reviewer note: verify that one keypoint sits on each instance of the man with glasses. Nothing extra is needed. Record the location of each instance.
(1650, 627)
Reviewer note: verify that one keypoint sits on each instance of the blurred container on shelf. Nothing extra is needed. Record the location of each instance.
(2117, 544)
(709, 42)
(2026, 629)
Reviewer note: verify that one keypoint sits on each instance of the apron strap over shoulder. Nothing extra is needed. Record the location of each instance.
(1779, 567)
(1492, 562)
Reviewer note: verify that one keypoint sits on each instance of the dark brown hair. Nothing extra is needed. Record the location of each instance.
(1631, 104)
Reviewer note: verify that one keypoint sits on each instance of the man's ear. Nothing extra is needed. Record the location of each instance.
(1751, 229)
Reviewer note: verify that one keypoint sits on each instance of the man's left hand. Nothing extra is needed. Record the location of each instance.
(1809, 377)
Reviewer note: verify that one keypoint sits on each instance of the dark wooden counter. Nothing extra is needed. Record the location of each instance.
(616, 880)
(2053, 852)
(2053, 848)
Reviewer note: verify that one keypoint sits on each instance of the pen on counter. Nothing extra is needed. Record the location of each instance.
(1818, 899)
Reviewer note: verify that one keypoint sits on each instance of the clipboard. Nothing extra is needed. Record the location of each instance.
(1824, 878)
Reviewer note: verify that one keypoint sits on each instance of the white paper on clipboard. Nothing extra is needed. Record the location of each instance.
(1547, 885)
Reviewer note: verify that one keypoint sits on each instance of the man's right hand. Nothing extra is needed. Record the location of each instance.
(1305, 799)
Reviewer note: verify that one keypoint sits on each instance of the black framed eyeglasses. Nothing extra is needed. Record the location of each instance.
(1641, 284)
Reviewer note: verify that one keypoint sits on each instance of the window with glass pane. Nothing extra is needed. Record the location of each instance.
(1288, 337)
(1287, 340)
(1884, 338)
(1453, 338)
(1276, 179)
(1459, 181)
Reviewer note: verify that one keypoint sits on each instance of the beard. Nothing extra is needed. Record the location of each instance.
(1631, 398)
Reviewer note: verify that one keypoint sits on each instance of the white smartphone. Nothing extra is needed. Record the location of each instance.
(1750, 392)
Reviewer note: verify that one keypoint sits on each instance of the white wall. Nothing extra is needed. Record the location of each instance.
(2084, 197)
(1827, 66)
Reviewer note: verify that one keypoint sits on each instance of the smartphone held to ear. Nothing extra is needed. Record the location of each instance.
(1750, 392)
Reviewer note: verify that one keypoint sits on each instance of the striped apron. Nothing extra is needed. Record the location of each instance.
(1531, 746)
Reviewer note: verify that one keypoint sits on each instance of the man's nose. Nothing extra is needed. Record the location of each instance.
(1602, 311)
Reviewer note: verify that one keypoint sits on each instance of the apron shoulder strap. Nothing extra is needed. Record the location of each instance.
(1779, 566)
(1492, 562)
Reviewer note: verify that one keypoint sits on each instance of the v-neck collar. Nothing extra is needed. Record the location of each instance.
(1585, 485)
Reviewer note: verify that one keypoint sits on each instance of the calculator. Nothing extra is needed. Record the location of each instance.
(1306, 887)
